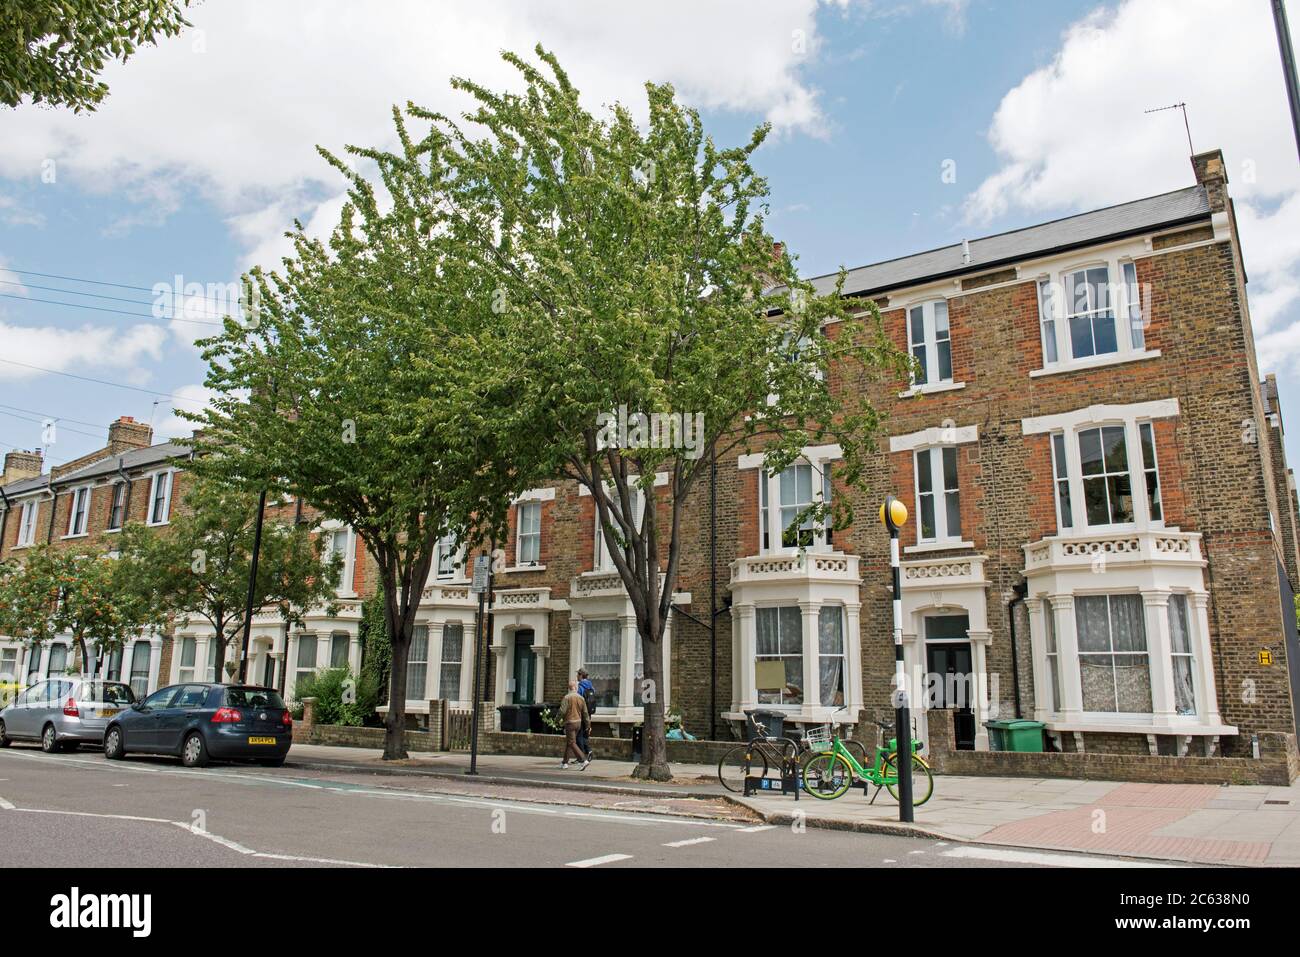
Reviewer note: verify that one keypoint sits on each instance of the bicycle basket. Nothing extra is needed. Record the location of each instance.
(819, 738)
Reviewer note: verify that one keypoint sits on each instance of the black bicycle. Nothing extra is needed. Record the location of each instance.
(764, 751)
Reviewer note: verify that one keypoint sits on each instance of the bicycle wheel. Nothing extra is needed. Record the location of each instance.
(922, 779)
(826, 775)
(737, 764)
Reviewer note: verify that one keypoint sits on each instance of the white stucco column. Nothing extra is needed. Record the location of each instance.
(1207, 696)
(852, 661)
(627, 661)
(1155, 606)
(354, 653)
(1067, 644)
(155, 660)
(200, 657)
(742, 668)
(433, 667)
(812, 691)
(984, 694)
(1041, 673)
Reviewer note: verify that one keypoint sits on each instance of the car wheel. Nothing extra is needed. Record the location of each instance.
(5, 740)
(193, 753)
(49, 740)
(113, 749)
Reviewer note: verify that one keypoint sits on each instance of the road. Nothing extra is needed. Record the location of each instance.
(79, 810)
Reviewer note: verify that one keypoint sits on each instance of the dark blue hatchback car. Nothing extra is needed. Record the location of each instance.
(201, 721)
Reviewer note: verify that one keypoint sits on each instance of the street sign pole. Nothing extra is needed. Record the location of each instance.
(893, 514)
(480, 584)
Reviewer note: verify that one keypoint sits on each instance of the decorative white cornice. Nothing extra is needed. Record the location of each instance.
(938, 435)
(1067, 421)
(812, 453)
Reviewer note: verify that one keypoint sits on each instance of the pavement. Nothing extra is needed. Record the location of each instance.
(1191, 823)
(80, 810)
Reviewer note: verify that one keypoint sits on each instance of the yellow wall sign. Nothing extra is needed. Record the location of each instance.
(1265, 656)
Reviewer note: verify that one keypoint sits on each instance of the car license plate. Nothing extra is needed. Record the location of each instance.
(261, 740)
(109, 712)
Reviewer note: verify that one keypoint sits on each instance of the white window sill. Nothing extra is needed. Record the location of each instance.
(1187, 725)
(930, 388)
(77, 535)
(516, 569)
(953, 545)
(112, 531)
(158, 524)
(1095, 362)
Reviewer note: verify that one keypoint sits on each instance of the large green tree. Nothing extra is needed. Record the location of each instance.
(200, 565)
(634, 272)
(53, 50)
(366, 383)
(56, 592)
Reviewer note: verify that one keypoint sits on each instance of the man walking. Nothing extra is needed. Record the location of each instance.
(588, 692)
(573, 712)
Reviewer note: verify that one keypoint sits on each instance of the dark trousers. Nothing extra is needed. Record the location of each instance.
(583, 735)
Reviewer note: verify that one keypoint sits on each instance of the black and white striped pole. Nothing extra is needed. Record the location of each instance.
(893, 515)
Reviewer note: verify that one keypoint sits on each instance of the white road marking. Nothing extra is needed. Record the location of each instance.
(5, 805)
(889, 860)
(597, 861)
(1009, 856)
(690, 841)
(757, 828)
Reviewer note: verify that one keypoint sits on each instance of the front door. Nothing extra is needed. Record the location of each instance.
(525, 664)
(951, 681)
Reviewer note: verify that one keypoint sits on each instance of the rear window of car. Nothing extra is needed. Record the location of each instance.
(107, 692)
(254, 698)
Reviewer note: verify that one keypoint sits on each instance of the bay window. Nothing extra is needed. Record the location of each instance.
(306, 657)
(601, 657)
(417, 663)
(453, 643)
(1105, 472)
(185, 671)
(141, 656)
(779, 633)
(937, 494)
(340, 644)
(830, 655)
(929, 342)
(1180, 644)
(1114, 669)
(1053, 657)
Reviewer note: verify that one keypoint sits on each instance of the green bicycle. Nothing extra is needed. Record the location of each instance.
(829, 769)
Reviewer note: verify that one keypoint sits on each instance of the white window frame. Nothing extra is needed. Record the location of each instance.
(800, 653)
(451, 694)
(332, 530)
(939, 492)
(771, 525)
(930, 342)
(155, 478)
(1070, 425)
(78, 508)
(1146, 652)
(1124, 304)
(1052, 655)
(534, 535)
(446, 548)
(185, 672)
(602, 561)
(27, 523)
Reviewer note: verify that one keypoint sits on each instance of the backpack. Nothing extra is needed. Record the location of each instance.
(589, 697)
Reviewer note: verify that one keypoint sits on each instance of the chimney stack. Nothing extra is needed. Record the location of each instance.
(1212, 173)
(21, 464)
(126, 433)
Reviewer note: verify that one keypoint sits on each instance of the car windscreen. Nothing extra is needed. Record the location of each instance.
(107, 692)
(253, 698)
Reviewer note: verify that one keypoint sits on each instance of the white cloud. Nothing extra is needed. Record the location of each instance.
(190, 398)
(1074, 135)
(66, 349)
(236, 106)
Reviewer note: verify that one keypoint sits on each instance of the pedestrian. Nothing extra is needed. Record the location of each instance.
(573, 712)
(588, 692)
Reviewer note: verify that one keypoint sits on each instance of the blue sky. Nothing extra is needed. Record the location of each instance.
(204, 151)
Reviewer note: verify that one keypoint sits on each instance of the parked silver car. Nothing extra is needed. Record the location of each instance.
(62, 713)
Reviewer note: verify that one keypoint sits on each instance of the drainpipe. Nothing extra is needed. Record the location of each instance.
(126, 502)
(54, 501)
(4, 518)
(713, 594)
(1021, 590)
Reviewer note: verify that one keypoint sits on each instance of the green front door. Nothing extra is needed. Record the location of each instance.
(525, 664)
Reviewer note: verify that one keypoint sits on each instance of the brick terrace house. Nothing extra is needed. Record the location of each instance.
(1103, 529)
(83, 504)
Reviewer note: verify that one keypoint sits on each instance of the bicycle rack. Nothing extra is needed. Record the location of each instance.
(787, 783)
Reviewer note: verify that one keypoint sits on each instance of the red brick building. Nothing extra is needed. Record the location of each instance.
(1103, 528)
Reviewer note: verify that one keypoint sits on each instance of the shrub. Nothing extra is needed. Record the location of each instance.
(332, 687)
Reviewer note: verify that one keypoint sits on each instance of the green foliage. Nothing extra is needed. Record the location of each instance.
(377, 650)
(332, 688)
(53, 50)
(61, 592)
(200, 567)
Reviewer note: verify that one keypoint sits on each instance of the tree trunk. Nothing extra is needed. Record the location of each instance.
(401, 628)
(654, 746)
